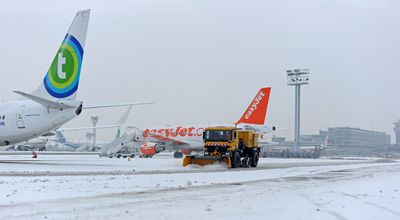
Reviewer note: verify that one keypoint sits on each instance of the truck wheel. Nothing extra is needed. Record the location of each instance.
(235, 160)
(254, 159)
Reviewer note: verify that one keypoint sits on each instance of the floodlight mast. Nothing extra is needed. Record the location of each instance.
(94, 119)
(297, 77)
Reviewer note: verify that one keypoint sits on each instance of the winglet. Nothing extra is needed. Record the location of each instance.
(122, 121)
(125, 116)
(257, 110)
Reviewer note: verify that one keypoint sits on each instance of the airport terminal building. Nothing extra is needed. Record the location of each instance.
(349, 137)
(356, 137)
(350, 141)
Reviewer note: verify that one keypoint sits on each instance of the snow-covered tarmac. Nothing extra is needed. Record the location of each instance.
(89, 187)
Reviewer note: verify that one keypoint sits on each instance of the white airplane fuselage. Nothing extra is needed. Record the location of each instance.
(25, 119)
(192, 136)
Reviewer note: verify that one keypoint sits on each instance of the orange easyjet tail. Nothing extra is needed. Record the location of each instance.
(257, 110)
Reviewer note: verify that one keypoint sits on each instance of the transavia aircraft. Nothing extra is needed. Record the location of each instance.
(54, 102)
(184, 139)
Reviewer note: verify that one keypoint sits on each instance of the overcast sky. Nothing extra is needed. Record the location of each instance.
(203, 61)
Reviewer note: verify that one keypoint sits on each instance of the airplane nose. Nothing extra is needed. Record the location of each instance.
(79, 110)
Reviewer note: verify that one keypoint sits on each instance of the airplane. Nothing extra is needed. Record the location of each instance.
(54, 102)
(185, 139)
(61, 140)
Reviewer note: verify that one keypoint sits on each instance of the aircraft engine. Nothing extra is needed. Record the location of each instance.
(149, 149)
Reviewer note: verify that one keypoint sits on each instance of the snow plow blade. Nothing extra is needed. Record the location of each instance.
(205, 160)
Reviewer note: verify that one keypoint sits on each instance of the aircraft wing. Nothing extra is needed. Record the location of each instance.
(171, 143)
(120, 123)
(166, 139)
(48, 134)
(88, 128)
(115, 105)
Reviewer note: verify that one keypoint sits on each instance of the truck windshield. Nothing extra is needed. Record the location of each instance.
(216, 135)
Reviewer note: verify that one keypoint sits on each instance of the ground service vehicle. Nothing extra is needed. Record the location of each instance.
(231, 145)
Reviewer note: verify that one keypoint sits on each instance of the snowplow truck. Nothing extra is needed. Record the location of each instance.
(229, 145)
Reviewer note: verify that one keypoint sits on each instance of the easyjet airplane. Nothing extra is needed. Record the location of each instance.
(184, 139)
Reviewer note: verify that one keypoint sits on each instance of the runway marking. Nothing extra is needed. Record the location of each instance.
(205, 169)
(43, 162)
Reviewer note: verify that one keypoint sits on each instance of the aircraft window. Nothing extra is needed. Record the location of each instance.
(4, 117)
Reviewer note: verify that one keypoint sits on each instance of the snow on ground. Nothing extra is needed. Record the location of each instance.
(88, 187)
(92, 164)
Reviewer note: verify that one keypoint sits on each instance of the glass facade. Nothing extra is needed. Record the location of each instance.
(346, 136)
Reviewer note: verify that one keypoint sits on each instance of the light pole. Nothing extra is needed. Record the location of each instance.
(95, 119)
(297, 77)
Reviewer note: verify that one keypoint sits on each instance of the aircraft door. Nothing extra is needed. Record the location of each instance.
(20, 118)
